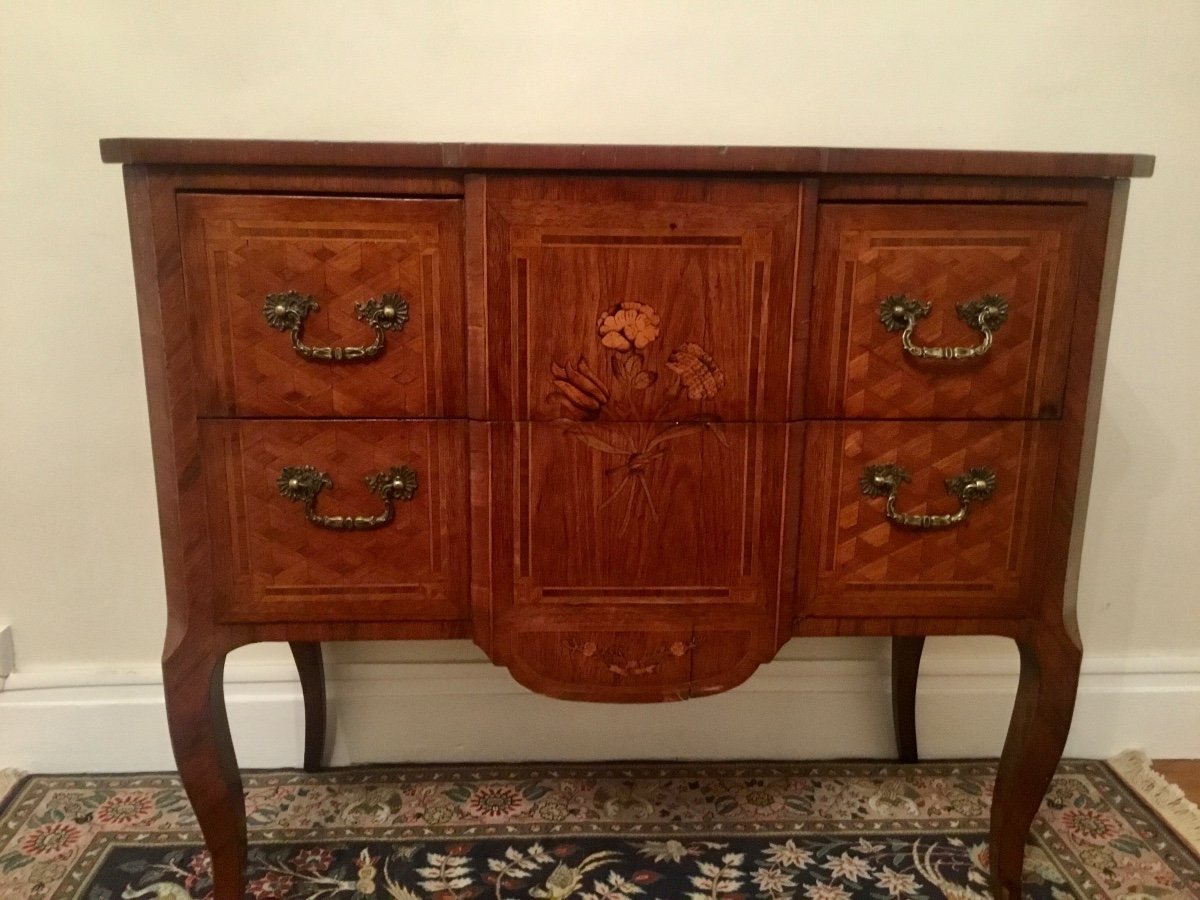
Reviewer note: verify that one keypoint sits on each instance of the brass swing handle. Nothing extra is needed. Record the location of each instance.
(972, 486)
(985, 315)
(287, 312)
(304, 483)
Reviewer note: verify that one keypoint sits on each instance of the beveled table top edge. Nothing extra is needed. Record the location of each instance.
(625, 157)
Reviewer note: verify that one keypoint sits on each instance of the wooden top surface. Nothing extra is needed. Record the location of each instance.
(626, 157)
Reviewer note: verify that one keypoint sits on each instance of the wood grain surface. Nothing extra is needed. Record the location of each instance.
(1184, 773)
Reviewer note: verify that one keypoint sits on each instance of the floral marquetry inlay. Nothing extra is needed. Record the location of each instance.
(700, 374)
(631, 325)
(629, 332)
(638, 342)
(694, 278)
(622, 665)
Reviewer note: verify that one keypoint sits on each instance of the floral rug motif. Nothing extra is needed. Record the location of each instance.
(699, 831)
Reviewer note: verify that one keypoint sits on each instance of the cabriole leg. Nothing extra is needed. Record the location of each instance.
(1050, 659)
(195, 698)
(312, 683)
(906, 663)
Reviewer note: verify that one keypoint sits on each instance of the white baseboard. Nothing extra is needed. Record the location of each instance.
(112, 720)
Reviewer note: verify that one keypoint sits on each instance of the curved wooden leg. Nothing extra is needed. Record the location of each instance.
(312, 683)
(1050, 659)
(906, 663)
(194, 689)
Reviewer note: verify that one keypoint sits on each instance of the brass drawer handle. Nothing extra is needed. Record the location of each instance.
(287, 312)
(972, 486)
(985, 315)
(304, 483)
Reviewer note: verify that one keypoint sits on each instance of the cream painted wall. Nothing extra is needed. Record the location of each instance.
(80, 571)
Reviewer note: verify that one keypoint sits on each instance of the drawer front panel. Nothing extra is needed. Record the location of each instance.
(684, 524)
(286, 567)
(638, 300)
(881, 267)
(859, 562)
(370, 288)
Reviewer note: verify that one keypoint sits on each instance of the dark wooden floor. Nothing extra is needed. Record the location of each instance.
(1183, 772)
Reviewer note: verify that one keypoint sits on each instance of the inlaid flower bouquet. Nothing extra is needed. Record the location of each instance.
(620, 392)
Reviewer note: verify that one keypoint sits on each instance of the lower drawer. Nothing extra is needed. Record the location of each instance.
(338, 520)
(924, 518)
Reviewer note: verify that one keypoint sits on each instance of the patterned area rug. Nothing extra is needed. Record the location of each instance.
(728, 831)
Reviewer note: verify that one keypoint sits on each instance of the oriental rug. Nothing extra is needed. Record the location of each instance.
(613, 831)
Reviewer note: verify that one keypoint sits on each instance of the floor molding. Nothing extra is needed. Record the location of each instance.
(62, 720)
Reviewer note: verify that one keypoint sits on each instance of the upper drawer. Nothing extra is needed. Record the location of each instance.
(637, 299)
(935, 311)
(321, 306)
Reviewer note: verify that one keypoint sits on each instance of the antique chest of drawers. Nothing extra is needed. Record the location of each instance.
(627, 417)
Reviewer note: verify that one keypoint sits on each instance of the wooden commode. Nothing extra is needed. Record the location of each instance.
(627, 417)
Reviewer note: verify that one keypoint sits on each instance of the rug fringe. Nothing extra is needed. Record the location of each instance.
(1165, 798)
(8, 780)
